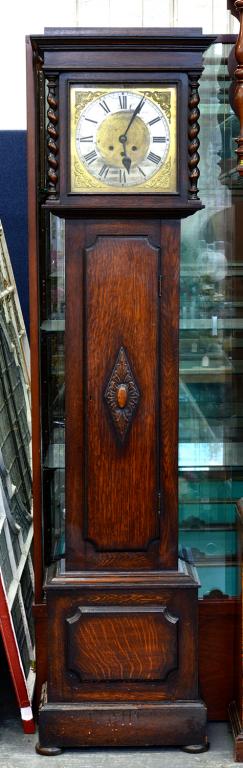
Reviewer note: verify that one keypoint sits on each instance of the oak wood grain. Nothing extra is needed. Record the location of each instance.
(121, 297)
(216, 643)
(113, 302)
(120, 643)
(141, 611)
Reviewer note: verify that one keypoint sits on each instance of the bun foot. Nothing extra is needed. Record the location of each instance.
(196, 749)
(48, 751)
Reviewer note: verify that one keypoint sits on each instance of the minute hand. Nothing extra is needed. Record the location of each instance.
(138, 108)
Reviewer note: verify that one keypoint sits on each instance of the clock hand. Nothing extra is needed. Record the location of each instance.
(123, 138)
(126, 161)
(136, 111)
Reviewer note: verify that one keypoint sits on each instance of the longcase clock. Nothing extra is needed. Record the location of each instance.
(113, 167)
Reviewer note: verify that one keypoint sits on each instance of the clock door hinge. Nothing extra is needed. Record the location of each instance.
(160, 286)
(159, 503)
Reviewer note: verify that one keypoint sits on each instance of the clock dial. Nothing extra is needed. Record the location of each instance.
(122, 139)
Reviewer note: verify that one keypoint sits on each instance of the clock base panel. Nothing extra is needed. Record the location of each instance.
(124, 724)
(122, 662)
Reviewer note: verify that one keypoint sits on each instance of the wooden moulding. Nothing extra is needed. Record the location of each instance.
(238, 93)
(121, 724)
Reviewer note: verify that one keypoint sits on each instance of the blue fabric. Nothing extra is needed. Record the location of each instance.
(13, 209)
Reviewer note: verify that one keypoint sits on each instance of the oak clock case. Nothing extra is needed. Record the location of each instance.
(120, 619)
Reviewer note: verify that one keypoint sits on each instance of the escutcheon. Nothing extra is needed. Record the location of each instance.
(122, 395)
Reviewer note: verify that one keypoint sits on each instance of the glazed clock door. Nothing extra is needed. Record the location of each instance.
(113, 434)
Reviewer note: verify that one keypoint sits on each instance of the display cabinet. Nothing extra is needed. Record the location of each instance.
(210, 347)
(210, 426)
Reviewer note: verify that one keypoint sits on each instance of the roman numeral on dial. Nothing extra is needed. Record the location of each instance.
(86, 138)
(154, 158)
(104, 106)
(155, 120)
(122, 177)
(91, 156)
(89, 120)
(123, 100)
(159, 139)
(104, 171)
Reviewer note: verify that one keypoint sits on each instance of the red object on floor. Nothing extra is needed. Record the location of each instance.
(14, 662)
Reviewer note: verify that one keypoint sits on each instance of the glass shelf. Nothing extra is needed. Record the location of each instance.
(223, 578)
(53, 325)
(55, 457)
(210, 543)
(203, 324)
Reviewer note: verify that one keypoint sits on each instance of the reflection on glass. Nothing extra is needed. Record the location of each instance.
(211, 344)
(53, 390)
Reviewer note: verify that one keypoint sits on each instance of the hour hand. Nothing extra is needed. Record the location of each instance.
(126, 161)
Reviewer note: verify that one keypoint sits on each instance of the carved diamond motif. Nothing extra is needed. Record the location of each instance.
(122, 395)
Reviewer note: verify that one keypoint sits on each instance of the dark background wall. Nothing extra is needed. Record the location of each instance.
(13, 209)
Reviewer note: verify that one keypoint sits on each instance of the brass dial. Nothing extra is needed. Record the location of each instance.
(121, 139)
(110, 146)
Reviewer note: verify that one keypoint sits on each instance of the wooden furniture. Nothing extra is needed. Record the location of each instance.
(122, 616)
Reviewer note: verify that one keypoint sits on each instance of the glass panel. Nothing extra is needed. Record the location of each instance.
(211, 343)
(53, 389)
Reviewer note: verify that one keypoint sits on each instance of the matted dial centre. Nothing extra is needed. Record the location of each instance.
(113, 142)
